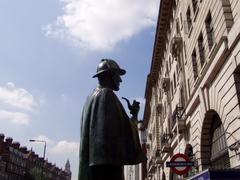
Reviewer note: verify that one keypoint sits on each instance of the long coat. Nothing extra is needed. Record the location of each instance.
(108, 137)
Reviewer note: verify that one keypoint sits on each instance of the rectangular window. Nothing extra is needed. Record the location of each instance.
(177, 69)
(167, 69)
(170, 63)
(184, 48)
(201, 49)
(194, 64)
(165, 109)
(189, 20)
(210, 30)
(188, 87)
(171, 88)
(237, 82)
(182, 99)
(174, 81)
(194, 5)
(181, 21)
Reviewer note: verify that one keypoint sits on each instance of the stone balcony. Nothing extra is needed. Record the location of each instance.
(159, 161)
(176, 45)
(151, 166)
(166, 148)
(166, 143)
(166, 84)
(178, 120)
(179, 126)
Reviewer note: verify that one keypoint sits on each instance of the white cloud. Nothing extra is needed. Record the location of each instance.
(100, 25)
(16, 97)
(14, 117)
(66, 148)
(63, 150)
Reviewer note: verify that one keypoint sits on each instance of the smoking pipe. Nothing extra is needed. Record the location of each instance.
(134, 107)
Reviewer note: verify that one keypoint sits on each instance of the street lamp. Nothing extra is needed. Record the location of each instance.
(44, 152)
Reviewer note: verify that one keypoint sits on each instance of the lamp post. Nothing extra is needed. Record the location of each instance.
(44, 152)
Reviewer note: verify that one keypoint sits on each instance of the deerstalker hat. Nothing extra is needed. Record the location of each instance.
(109, 65)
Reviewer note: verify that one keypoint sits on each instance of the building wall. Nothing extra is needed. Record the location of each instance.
(180, 105)
(137, 172)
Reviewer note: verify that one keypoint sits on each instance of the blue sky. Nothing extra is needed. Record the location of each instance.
(50, 49)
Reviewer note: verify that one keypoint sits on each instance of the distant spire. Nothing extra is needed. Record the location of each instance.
(68, 167)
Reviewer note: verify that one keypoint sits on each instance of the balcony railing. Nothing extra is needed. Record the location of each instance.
(165, 84)
(178, 120)
(166, 143)
(176, 45)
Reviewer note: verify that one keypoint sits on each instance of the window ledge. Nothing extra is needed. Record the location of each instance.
(212, 50)
(196, 82)
(203, 67)
(216, 46)
(190, 31)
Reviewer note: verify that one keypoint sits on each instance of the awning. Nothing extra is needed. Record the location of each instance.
(217, 174)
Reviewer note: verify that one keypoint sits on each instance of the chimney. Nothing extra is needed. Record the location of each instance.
(16, 145)
(9, 141)
(36, 156)
(1, 137)
(23, 149)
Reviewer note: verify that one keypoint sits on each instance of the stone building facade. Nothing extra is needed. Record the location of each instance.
(138, 172)
(193, 89)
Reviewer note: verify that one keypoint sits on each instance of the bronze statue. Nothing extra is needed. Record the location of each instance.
(109, 138)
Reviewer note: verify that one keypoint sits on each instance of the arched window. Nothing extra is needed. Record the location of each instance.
(219, 151)
(214, 150)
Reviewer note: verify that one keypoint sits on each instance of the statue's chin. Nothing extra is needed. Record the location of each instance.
(116, 88)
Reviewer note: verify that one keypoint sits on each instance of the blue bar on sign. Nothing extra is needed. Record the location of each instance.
(180, 164)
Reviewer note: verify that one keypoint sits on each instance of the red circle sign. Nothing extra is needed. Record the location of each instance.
(180, 158)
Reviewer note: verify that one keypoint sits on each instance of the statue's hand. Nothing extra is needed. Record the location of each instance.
(135, 107)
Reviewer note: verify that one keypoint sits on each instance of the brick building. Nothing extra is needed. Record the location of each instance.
(18, 163)
(193, 89)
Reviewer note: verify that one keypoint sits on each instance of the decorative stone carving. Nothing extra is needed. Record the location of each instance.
(165, 84)
(176, 46)
(150, 136)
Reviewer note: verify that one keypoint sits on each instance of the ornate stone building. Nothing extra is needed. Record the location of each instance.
(193, 89)
(138, 172)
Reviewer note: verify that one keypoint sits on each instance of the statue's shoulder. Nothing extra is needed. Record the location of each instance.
(103, 91)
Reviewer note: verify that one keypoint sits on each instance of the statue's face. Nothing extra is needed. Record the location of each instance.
(116, 81)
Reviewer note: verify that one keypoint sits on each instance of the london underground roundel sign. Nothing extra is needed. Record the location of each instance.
(180, 164)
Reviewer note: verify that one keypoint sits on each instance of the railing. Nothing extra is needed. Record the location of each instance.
(166, 142)
(178, 119)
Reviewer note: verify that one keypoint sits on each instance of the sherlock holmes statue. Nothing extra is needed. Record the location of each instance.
(109, 138)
